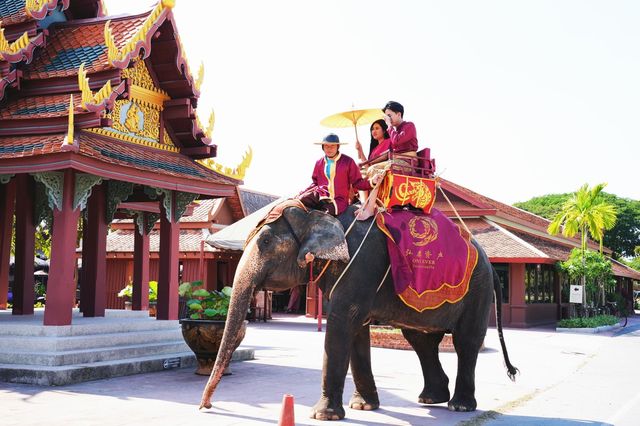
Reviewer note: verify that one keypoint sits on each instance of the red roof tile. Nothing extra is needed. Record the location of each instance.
(27, 146)
(38, 107)
(500, 243)
(77, 35)
(122, 241)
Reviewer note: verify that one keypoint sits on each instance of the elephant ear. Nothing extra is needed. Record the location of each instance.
(321, 234)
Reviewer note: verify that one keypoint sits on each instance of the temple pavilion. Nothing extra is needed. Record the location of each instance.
(98, 120)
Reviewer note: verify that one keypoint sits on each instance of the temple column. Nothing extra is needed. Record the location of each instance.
(94, 256)
(7, 203)
(167, 308)
(23, 283)
(61, 286)
(140, 297)
(518, 304)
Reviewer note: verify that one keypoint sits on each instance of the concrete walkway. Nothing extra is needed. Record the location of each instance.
(566, 379)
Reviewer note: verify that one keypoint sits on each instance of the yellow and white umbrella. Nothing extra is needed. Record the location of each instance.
(355, 118)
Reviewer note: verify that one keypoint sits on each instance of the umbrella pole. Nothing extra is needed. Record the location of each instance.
(356, 129)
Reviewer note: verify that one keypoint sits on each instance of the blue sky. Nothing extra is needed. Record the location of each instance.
(515, 99)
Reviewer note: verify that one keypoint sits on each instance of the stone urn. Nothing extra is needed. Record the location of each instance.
(204, 338)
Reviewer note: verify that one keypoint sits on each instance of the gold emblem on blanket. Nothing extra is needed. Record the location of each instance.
(423, 230)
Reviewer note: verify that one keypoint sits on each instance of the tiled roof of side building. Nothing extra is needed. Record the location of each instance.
(499, 243)
(505, 208)
(76, 42)
(550, 248)
(201, 210)
(122, 241)
(254, 200)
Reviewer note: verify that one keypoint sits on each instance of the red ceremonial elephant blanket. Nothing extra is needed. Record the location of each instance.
(432, 258)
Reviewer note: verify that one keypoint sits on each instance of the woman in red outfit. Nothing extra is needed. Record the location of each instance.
(380, 141)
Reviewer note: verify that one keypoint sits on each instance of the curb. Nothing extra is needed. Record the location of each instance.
(587, 330)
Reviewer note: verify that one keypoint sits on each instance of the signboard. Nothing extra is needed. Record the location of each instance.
(575, 294)
(171, 363)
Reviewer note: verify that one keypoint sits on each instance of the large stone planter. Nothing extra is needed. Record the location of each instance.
(204, 338)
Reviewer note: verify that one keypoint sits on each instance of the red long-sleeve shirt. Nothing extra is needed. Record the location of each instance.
(403, 138)
(341, 176)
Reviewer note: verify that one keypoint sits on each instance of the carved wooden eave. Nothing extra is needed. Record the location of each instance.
(21, 49)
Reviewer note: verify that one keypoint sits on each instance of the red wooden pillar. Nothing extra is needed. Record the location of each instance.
(23, 292)
(518, 305)
(140, 297)
(61, 286)
(167, 308)
(93, 290)
(7, 200)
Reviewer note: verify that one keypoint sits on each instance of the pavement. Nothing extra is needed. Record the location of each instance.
(565, 379)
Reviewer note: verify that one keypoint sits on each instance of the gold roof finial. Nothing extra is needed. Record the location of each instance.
(88, 98)
(212, 119)
(16, 46)
(237, 173)
(200, 78)
(117, 55)
(31, 6)
(68, 140)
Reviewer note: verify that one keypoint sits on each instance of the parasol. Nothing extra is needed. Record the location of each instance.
(355, 118)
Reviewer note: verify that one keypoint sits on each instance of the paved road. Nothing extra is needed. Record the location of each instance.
(566, 379)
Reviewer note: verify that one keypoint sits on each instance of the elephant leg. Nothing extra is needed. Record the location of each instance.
(337, 348)
(436, 382)
(365, 397)
(467, 347)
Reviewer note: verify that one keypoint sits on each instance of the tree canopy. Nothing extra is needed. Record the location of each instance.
(621, 239)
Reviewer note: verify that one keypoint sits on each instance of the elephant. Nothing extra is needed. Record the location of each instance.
(278, 253)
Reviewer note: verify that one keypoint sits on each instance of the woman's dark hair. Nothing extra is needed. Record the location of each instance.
(374, 142)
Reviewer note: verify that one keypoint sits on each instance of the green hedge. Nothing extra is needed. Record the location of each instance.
(592, 322)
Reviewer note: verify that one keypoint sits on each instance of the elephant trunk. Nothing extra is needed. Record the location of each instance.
(243, 284)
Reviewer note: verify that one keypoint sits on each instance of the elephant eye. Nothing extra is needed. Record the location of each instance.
(266, 241)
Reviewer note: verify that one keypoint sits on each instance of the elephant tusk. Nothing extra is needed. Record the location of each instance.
(309, 257)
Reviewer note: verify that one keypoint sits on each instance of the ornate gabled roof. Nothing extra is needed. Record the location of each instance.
(129, 80)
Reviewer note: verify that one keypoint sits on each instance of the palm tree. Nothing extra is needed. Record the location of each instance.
(585, 212)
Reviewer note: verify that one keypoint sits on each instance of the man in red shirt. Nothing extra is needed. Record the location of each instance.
(333, 176)
(402, 133)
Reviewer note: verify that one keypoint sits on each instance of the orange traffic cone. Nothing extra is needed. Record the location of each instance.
(287, 417)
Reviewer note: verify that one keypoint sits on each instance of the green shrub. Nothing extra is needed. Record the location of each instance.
(592, 322)
(204, 304)
(127, 291)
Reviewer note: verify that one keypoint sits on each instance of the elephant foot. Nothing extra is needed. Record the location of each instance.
(359, 402)
(462, 404)
(324, 410)
(434, 397)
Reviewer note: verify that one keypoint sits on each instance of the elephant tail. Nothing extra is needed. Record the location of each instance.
(497, 288)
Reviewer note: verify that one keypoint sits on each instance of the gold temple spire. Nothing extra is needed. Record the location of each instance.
(68, 140)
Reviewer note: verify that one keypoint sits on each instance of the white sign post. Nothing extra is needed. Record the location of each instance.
(575, 296)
